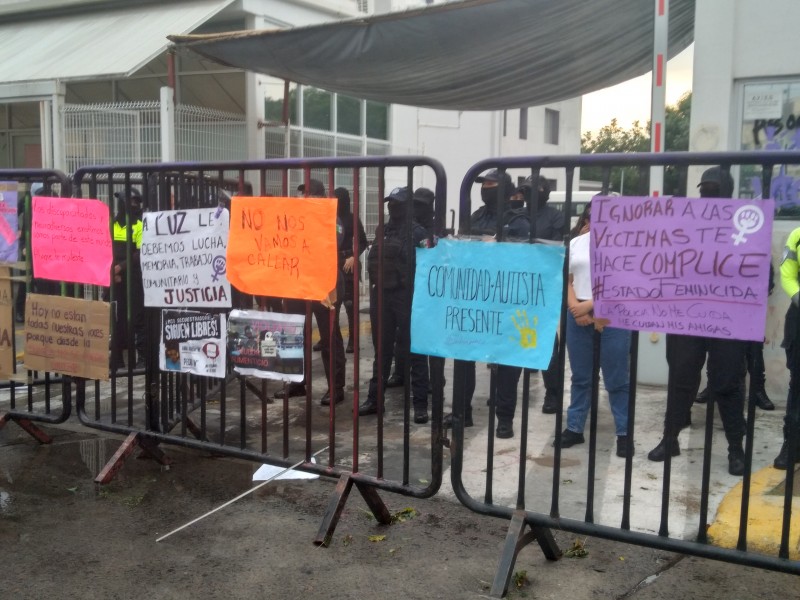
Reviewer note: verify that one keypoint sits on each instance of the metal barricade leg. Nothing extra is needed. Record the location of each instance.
(26, 424)
(149, 449)
(339, 499)
(516, 540)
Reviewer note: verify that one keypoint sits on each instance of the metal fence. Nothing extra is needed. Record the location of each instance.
(33, 396)
(305, 143)
(542, 488)
(130, 133)
(237, 416)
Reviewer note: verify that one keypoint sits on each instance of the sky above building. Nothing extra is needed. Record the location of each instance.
(630, 101)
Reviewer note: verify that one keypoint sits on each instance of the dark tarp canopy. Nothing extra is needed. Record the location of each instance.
(471, 55)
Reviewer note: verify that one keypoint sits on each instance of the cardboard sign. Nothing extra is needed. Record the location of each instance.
(67, 335)
(7, 357)
(283, 247)
(183, 258)
(9, 222)
(71, 241)
(192, 342)
(693, 266)
(490, 302)
(266, 344)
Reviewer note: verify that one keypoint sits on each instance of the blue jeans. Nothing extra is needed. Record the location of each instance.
(615, 345)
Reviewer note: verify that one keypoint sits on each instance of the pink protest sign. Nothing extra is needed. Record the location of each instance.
(692, 266)
(70, 240)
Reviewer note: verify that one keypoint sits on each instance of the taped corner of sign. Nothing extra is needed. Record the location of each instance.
(265, 472)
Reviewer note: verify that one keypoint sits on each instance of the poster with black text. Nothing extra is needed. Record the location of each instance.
(192, 342)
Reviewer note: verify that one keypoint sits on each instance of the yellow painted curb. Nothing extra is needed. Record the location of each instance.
(765, 516)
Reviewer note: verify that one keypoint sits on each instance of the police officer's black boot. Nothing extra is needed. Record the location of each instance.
(736, 459)
(782, 460)
(448, 419)
(667, 444)
(368, 407)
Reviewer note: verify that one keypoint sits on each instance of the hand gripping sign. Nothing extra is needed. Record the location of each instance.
(283, 247)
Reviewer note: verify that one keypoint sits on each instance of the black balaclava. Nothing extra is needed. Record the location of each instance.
(489, 196)
(343, 205)
(397, 212)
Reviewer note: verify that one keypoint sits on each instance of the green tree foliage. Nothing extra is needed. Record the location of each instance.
(613, 138)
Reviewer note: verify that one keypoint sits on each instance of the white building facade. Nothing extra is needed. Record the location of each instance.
(746, 96)
(77, 110)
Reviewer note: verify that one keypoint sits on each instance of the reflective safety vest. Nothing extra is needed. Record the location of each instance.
(121, 238)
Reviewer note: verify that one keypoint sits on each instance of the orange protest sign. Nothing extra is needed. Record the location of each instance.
(283, 247)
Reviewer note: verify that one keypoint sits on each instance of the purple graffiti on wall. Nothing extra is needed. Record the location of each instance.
(784, 188)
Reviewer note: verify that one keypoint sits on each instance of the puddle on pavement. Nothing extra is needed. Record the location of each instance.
(5, 502)
(95, 453)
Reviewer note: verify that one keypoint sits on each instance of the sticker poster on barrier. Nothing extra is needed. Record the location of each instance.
(192, 342)
(694, 266)
(285, 244)
(266, 344)
(67, 335)
(490, 302)
(70, 240)
(9, 222)
(183, 258)
(7, 358)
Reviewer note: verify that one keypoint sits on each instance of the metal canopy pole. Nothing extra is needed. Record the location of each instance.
(659, 90)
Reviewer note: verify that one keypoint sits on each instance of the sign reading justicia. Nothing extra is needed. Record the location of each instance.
(183, 258)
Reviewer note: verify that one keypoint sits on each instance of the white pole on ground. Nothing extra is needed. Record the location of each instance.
(240, 496)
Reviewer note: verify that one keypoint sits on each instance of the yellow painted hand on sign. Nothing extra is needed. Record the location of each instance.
(527, 335)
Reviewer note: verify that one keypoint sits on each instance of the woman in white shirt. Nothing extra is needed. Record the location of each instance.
(614, 347)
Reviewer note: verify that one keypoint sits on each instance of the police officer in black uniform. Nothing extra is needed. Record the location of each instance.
(549, 226)
(397, 285)
(483, 222)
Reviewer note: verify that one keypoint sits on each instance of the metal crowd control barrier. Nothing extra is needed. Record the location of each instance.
(536, 520)
(237, 416)
(32, 396)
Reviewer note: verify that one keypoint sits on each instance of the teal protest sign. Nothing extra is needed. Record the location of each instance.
(489, 302)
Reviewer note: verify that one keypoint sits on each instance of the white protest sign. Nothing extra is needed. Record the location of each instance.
(183, 258)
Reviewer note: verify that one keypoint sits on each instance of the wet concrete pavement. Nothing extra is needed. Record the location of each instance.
(84, 541)
(63, 537)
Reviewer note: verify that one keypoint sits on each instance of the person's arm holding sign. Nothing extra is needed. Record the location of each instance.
(580, 309)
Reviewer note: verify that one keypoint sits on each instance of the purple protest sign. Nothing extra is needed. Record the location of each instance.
(692, 266)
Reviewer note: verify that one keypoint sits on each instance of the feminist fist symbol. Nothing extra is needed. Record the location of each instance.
(527, 335)
(747, 219)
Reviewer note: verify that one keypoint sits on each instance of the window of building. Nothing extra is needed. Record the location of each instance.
(523, 123)
(377, 120)
(551, 119)
(348, 115)
(317, 109)
(505, 123)
(770, 118)
(273, 101)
